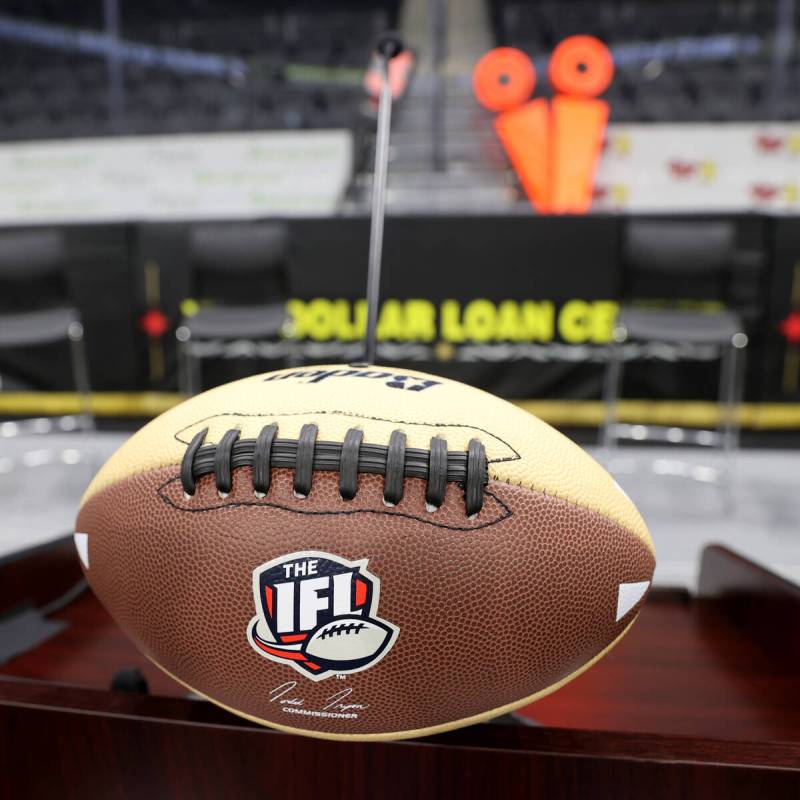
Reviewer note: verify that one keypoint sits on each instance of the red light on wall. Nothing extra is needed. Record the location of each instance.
(154, 323)
(790, 328)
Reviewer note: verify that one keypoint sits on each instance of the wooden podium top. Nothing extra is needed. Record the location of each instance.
(701, 698)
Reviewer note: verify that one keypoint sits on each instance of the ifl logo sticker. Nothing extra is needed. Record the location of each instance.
(316, 612)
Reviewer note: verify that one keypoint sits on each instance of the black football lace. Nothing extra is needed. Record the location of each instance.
(396, 462)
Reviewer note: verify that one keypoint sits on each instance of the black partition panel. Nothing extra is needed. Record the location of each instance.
(779, 369)
(522, 306)
(465, 296)
(460, 257)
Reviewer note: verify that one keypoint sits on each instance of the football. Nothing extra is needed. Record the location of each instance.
(445, 554)
(348, 643)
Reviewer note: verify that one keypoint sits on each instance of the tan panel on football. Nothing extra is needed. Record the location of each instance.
(521, 448)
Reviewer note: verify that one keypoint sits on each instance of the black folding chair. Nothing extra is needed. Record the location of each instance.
(32, 276)
(696, 252)
(233, 264)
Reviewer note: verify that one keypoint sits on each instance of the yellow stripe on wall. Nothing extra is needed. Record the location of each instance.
(104, 404)
(688, 413)
(758, 416)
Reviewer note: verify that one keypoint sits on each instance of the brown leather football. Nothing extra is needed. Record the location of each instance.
(362, 553)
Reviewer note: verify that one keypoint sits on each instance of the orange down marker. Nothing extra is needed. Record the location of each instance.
(553, 147)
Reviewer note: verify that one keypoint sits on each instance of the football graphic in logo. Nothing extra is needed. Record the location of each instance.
(317, 613)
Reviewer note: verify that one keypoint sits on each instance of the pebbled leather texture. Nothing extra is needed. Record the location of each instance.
(521, 449)
(490, 611)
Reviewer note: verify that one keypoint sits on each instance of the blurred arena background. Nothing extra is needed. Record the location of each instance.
(185, 200)
(593, 210)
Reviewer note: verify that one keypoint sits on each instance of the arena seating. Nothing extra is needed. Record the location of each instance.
(49, 93)
(304, 60)
(735, 88)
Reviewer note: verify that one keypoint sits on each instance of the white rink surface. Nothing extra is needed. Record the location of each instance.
(42, 479)
(691, 497)
(687, 497)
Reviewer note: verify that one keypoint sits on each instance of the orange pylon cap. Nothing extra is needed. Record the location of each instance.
(503, 79)
(581, 66)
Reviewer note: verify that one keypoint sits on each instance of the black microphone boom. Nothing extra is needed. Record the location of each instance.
(388, 47)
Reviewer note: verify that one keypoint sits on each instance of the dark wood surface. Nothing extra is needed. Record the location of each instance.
(694, 702)
(764, 607)
(21, 574)
(85, 743)
(683, 669)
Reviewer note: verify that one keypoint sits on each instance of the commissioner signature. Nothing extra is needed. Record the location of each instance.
(285, 695)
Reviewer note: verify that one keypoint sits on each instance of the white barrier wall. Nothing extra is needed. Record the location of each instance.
(176, 177)
(644, 168)
(700, 168)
